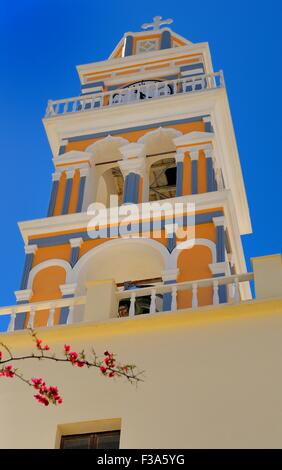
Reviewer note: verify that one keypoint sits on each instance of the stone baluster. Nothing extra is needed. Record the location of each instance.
(194, 295)
(153, 301)
(132, 304)
(12, 321)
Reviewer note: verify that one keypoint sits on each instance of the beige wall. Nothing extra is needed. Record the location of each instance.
(213, 379)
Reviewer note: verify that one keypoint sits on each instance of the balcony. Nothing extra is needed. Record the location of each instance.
(134, 94)
(151, 298)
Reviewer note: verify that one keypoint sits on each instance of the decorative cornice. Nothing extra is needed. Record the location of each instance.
(133, 165)
(56, 176)
(192, 138)
(132, 150)
(30, 249)
(194, 154)
(23, 295)
(219, 268)
(76, 242)
(179, 155)
(70, 173)
(68, 289)
(219, 221)
(73, 157)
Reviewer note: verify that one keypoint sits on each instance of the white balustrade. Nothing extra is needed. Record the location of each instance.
(35, 308)
(232, 283)
(134, 94)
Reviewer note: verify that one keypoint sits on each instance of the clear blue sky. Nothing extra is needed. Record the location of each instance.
(41, 42)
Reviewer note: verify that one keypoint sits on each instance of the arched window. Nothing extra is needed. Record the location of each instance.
(111, 182)
(162, 179)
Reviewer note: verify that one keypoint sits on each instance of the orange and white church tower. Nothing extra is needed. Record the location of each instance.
(152, 124)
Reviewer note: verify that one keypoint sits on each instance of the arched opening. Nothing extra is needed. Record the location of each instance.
(162, 179)
(105, 177)
(160, 151)
(145, 260)
(110, 183)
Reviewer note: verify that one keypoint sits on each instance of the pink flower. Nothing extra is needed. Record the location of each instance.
(38, 343)
(67, 348)
(73, 357)
(103, 369)
(53, 390)
(80, 363)
(41, 399)
(7, 372)
(37, 383)
(0, 356)
(46, 348)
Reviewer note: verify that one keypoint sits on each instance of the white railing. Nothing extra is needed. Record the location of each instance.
(233, 287)
(35, 308)
(154, 90)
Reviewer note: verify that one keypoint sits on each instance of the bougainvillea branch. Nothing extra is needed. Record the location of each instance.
(107, 365)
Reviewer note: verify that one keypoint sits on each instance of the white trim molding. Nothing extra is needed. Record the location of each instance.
(30, 249)
(75, 242)
(48, 263)
(23, 295)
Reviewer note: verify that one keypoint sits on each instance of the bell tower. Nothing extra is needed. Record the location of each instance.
(151, 124)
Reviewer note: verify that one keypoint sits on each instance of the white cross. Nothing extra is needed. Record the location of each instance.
(158, 22)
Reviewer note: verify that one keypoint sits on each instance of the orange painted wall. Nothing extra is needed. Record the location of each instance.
(61, 194)
(46, 287)
(206, 231)
(52, 252)
(193, 264)
(74, 192)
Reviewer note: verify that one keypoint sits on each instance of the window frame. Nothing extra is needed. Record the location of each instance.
(93, 438)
